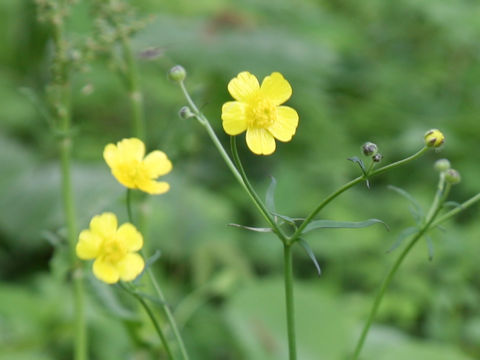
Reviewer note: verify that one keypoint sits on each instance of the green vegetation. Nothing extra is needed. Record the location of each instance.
(360, 70)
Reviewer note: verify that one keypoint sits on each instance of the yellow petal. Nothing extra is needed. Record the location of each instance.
(276, 88)
(234, 117)
(157, 164)
(110, 155)
(130, 237)
(88, 245)
(154, 187)
(105, 271)
(260, 141)
(104, 225)
(130, 267)
(131, 149)
(243, 86)
(285, 125)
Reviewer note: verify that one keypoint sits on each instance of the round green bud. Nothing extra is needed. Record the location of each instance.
(452, 176)
(369, 149)
(434, 138)
(177, 73)
(442, 165)
(377, 157)
(185, 113)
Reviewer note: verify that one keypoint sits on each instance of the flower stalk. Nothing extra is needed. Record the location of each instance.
(440, 197)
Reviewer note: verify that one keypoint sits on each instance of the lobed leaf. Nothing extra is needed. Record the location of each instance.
(416, 206)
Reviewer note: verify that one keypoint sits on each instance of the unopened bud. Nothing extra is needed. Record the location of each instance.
(177, 73)
(369, 149)
(434, 138)
(442, 165)
(377, 157)
(452, 176)
(185, 113)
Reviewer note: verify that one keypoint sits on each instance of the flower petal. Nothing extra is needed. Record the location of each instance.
(154, 187)
(276, 88)
(105, 271)
(234, 117)
(110, 155)
(260, 141)
(243, 86)
(104, 225)
(131, 149)
(88, 245)
(130, 237)
(285, 125)
(130, 267)
(157, 164)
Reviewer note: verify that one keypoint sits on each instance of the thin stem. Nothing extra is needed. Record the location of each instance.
(161, 297)
(61, 105)
(455, 211)
(289, 300)
(251, 191)
(348, 185)
(150, 314)
(440, 197)
(239, 174)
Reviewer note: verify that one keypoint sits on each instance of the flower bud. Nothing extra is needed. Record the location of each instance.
(377, 157)
(434, 138)
(185, 113)
(369, 149)
(177, 73)
(452, 176)
(442, 165)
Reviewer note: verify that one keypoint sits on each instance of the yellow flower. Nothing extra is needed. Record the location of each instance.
(434, 138)
(258, 111)
(114, 250)
(133, 170)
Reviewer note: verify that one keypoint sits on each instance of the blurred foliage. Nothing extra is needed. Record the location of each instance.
(361, 71)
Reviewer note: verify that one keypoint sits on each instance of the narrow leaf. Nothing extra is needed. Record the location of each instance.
(270, 196)
(430, 247)
(288, 219)
(310, 253)
(152, 259)
(151, 298)
(251, 228)
(360, 163)
(406, 195)
(402, 236)
(451, 204)
(332, 224)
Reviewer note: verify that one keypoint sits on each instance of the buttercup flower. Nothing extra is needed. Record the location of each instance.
(133, 170)
(114, 250)
(257, 110)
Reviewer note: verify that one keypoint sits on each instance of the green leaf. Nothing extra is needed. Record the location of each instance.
(360, 163)
(270, 196)
(402, 236)
(417, 208)
(251, 228)
(333, 224)
(310, 253)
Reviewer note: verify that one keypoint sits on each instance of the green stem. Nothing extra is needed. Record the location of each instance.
(62, 107)
(251, 191)
(347, 186)
(150, 314)
(161, 297)
(239, 175)
(441, 195)
(455, 211)
(289, 300)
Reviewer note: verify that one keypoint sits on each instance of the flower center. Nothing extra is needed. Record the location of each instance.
(113, 251)
(263, 114)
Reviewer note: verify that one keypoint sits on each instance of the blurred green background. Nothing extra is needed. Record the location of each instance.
(361, 71)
